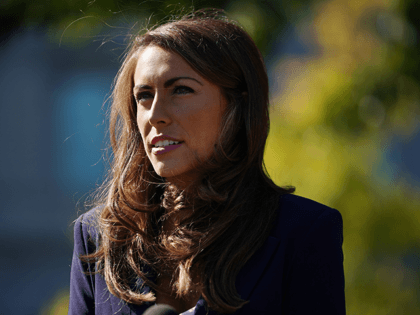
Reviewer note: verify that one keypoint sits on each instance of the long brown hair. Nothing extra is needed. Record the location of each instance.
(231, 207)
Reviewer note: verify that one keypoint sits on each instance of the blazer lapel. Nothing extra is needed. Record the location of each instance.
(253, 270)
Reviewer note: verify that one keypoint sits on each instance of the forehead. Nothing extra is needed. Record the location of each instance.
(154, 63)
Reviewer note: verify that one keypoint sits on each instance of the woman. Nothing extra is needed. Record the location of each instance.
(189, 217)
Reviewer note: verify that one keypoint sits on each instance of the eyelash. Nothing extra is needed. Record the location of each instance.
(139, 96)
(185, 90)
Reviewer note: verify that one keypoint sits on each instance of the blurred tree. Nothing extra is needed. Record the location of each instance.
(58, 305)
(339, 111)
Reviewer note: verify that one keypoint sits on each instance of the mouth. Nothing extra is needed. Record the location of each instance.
(159, 148)
(165, 143)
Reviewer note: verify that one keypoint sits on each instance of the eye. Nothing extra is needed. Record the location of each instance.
(144, 96)
(182, 90)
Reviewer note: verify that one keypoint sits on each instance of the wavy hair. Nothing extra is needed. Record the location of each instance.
(228, 211)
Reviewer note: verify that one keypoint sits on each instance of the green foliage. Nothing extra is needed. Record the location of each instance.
(333, 124)
(58, 305)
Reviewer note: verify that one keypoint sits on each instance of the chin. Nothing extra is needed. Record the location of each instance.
(169, 172)
(177, 176)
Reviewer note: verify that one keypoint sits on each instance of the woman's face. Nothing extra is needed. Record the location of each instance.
(175, 102)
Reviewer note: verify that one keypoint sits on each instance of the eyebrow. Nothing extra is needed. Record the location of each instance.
(166, 84)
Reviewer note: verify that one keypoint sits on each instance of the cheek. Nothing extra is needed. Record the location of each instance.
(140, 125)
(204, 129)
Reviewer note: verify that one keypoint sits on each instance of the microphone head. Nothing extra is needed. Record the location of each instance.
(161, 309)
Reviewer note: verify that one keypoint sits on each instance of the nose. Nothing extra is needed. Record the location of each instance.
(159, 113)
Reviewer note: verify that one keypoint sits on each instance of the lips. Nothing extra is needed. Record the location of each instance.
(165, 149)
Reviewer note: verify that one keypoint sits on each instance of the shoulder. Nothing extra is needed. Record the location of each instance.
(90, 217)
(83, 281)
(86, 232)
(297, 215)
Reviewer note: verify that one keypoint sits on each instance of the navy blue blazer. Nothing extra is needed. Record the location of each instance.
(298, 270)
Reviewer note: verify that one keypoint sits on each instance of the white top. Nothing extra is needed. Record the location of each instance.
(189, 312)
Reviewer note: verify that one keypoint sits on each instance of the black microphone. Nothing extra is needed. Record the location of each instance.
(161, 309)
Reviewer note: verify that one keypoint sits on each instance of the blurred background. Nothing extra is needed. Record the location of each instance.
(345, 108)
